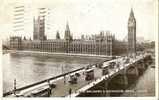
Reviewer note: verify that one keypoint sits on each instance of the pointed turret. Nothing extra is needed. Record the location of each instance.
(132, 13)
(67, 27)
(68, 36)
(131, 16)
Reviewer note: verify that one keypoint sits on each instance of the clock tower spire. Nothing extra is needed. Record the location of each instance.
(132, 34)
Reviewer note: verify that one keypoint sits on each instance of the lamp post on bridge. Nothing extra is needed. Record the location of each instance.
(14, 87)
(106, 81)
(50, 88)
(63, 72)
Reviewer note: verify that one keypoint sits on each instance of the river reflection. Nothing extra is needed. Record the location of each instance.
(28, 69)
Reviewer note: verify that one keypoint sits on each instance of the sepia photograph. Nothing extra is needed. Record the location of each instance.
(79, 48)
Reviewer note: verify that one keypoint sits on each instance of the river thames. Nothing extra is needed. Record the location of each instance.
(28, 69)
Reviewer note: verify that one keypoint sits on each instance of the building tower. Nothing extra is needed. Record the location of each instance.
(35, 29)
(41, 20)
(39, 25)
(68, 36)
(132, 34)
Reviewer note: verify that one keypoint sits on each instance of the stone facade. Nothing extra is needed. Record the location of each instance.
(101, 45)
(16, 42)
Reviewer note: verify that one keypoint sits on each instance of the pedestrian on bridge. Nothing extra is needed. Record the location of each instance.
(70, 92)
(64, 79)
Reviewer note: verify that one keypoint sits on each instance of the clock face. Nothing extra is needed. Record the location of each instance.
(131, 23)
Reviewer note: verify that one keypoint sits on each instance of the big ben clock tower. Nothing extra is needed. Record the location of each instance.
(132, 34)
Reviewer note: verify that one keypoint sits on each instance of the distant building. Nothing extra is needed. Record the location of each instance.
(132, 34)
(100, 44)
(103, 43)
(15, 42)
(140, 40)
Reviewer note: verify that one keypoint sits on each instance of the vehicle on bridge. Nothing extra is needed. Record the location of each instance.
(127, 60)
(52, 85)
(112, 64)
(105, 70)
(77, 74)
(43, 91)
(89, 74)
(73, 79)
(40, 92)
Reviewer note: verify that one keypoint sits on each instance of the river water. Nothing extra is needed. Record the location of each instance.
(143, 86)
(28, 69)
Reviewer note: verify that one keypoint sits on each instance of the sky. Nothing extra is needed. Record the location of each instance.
(85, 17)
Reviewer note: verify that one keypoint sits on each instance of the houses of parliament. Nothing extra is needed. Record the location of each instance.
(103, 43)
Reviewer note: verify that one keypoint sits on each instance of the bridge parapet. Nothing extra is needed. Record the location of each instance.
(123, 70)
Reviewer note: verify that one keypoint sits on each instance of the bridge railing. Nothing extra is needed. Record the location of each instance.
(43, 81)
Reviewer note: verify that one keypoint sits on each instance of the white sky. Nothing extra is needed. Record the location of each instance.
(87, 16)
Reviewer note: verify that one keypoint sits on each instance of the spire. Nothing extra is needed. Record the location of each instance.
(131, 13)
(67, 26)
(68, 33)
(131, 16)
(132, 4)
